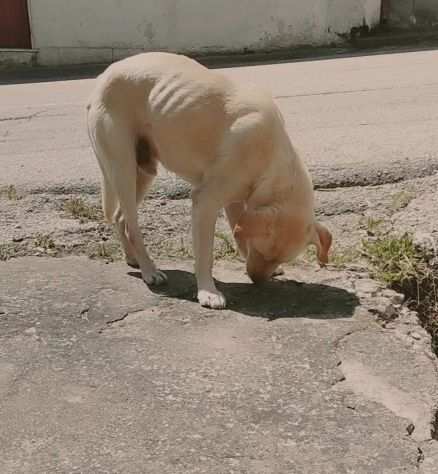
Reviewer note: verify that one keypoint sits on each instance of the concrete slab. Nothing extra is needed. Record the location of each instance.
(99, 374)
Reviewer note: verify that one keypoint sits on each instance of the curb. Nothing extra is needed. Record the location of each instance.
(373, 44)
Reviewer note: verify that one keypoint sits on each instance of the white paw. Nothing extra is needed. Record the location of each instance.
(155, 278)
(212, 299)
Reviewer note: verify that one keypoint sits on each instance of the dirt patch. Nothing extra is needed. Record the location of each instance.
(60, 225)
(57, 224)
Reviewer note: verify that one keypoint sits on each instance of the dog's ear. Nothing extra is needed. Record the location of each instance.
(322, 238)
(255, 223)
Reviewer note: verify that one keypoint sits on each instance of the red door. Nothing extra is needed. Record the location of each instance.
(14, 24)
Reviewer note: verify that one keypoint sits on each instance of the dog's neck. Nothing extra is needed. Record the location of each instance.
(285, 180)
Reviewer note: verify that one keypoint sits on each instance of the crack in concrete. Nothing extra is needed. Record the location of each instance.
(348, 91)
(117, 320)
(316, 94)
(420, 457)
(361, 381)
(21, 117)
(357, 378)
(340, 339)
(434, 430)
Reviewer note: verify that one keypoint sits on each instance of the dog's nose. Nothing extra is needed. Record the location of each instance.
(260, 269)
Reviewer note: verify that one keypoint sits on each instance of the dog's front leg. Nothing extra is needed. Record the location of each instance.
(204, 216)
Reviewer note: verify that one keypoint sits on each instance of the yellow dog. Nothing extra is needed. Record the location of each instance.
(227, 140)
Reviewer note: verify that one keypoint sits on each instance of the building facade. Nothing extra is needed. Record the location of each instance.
(82, 31)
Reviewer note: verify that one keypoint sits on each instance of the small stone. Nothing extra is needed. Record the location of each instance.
(18, 239)
(396, 298)
(426, 242)
(415, 336)
(410, 428)
(17, 226)
(384, 308)
(356, 267)
(366, 286)
(30, 331)
(408, 317)
(389, 312)
(430, 355)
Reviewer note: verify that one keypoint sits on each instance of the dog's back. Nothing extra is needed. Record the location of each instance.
(184, 108)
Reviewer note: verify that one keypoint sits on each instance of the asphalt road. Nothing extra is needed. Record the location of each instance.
(369, 119)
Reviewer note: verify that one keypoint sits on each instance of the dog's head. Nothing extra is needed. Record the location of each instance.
(274, 236)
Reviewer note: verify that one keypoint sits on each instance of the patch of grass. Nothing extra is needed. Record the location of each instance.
(408, 269)
(180, 249)
(396, 260)
(80, 209)
(7, 251)
(310, 253)
(108, 251)
(226, 247)
(342, 257)
(338, 257)
(9, 192)
(401, 199)
(44, 242)
(372, 225)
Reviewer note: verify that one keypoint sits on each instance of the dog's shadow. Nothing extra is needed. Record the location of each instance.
(272, 300)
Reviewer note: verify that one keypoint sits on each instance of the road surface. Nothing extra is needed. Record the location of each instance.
(369, 119)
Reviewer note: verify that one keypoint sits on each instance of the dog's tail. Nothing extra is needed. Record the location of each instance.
(110, 201)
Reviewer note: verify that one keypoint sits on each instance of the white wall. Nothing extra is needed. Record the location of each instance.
(78, 31)
(427, 9)
(413, 12)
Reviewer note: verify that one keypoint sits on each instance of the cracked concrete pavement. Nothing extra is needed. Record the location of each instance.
(101, 375)
(321, 371)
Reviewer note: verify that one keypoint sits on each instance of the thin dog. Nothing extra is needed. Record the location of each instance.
(228, 140)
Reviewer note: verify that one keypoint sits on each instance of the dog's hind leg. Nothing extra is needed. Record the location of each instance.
(145, 177)
(109, 199)
(130, 184)
(143, 183)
